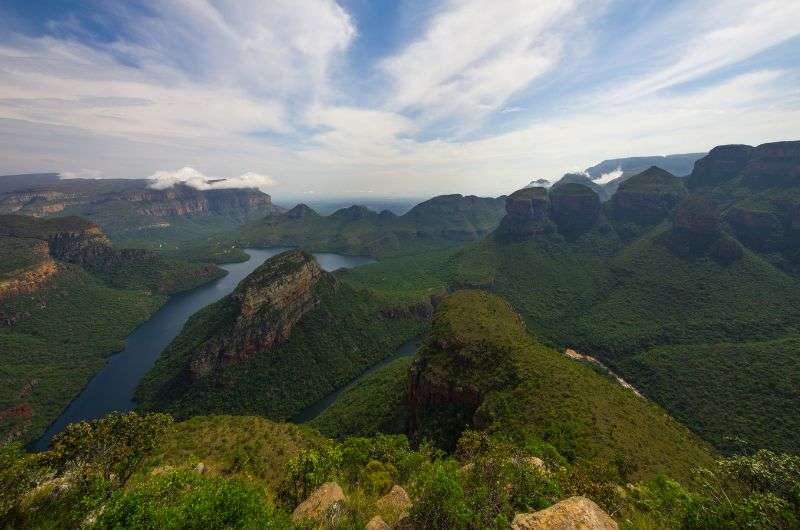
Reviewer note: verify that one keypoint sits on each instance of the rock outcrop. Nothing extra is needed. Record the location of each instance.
(527, 214)
(266, 305)
(377, 523)
(319, 504)
(456, 217)
(574, 208)
(575, 513)
(697, 230)
(722, 163)
(760, 230)
(647, 198)
(396, 502)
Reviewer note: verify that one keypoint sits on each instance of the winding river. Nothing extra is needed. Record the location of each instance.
(112, 388)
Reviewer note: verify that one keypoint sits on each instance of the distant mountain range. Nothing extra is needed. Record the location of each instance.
(605, 177)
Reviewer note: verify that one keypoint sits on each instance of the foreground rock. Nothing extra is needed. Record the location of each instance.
(324, 499)
(396, 502)
(575, 513)
(376, 523)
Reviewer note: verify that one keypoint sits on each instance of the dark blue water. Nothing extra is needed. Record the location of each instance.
(113, 387)
(407, 349)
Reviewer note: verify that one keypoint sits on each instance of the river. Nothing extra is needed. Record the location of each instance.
(112, 388)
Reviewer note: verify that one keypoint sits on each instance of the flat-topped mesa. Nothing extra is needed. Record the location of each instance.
(183, 200)
(647, 198)
(301, 211)
(773, 164)
(265, 307)
(527, 214)
(722, 163)
(574, 208)
(584, 180)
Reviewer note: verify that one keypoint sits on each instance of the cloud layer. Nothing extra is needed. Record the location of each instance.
(188, 176)
(469, 96)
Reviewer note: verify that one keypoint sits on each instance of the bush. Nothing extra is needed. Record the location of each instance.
(184, 500)
(440, 500)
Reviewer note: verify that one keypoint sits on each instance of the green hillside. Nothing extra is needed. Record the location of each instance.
(433, 224)
(376, 404)
(67, 301)
(329, 345)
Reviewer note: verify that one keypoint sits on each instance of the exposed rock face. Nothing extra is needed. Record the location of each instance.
(583, 180)
(377, 523)
(759, 230)
(268, 303)
(575, 513)
(697, 231)
(575, 208)
(648, 198)
(722, 163)
(319, 503)
(698, 219)
(182, 201)
(29, 281)
(774, 164)
(396, 502)
(83, 247)
(136, 196)
(301, 211)
(527, 214)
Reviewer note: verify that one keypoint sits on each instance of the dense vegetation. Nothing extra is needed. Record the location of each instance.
(377, 404)
(130, 471)
(439, 222)
(59, 328)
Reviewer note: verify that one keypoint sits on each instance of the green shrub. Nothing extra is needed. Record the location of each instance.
(184, 500)
(440, 501)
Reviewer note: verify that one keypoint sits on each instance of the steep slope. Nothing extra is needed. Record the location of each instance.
(289, 335)
(67, 300)
(479, 368)
(444, 220)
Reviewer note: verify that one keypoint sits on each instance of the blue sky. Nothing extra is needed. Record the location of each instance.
(401, 97)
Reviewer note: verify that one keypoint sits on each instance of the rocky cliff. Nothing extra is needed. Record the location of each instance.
(527, 214)
(266, 306)
(132, 197)
(574, 208)
(647, 198)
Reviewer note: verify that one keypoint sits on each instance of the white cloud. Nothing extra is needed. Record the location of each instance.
(188, 176)
(475, 54)
(605, 178)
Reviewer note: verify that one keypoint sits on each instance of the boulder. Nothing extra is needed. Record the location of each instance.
(376, 523)
(316, 506)
(396, 502)
(200, 469)
(575, 513)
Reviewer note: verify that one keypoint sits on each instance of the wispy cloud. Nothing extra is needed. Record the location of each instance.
(191, 81)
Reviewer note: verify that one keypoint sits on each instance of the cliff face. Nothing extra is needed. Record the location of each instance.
(721, 164)
(571, 209)
(266, 306)
(575, 208)
(527, 214)
(183, 201)
(647, 198)
(134, 196)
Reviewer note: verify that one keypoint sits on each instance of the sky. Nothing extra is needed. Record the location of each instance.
(386, 97)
